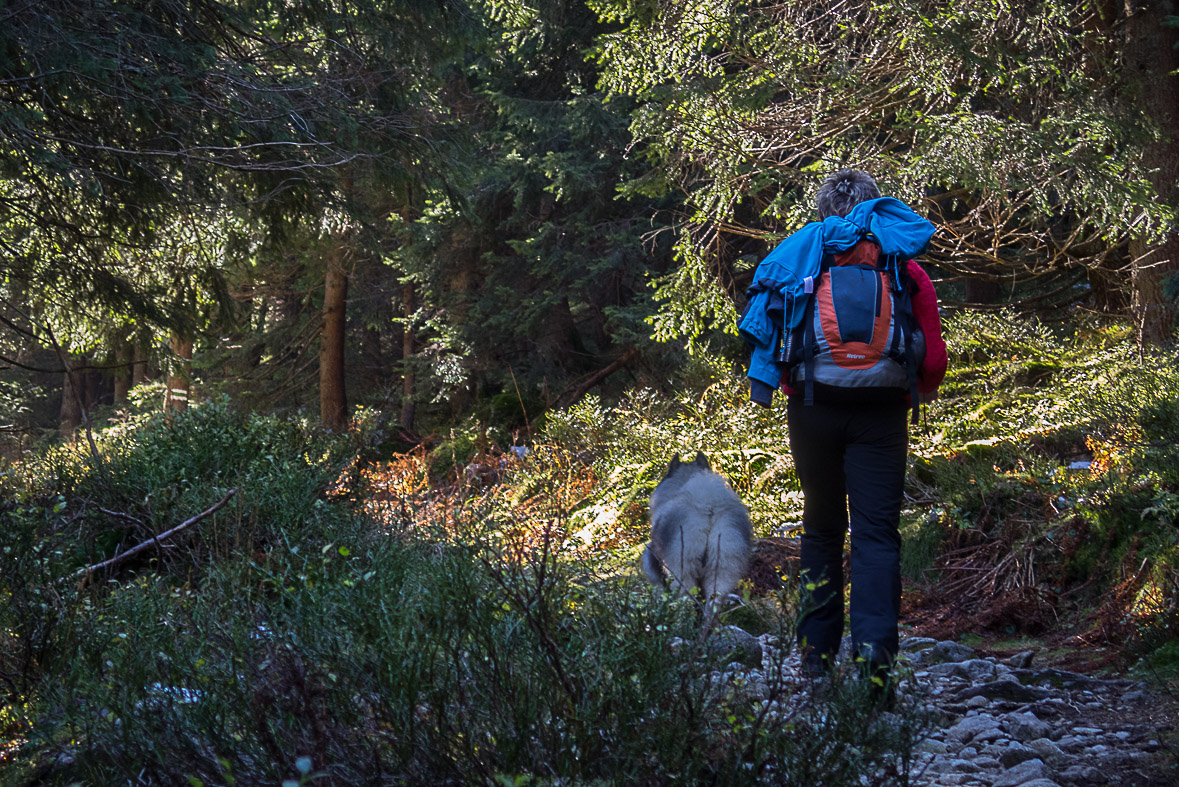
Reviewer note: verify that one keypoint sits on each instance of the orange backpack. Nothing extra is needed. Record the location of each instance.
(858, 330)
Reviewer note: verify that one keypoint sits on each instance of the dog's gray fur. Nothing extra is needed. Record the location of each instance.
(700, 532)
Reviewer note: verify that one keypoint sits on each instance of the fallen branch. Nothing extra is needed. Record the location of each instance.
(575, 392)
(154, 540)
(121, 515)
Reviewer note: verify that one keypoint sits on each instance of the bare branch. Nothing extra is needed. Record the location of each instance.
(88, 571)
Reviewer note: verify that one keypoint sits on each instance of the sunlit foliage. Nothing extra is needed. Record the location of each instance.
(1004, 122)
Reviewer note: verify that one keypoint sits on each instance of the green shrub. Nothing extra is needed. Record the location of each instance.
(328, 647)
(454, 453)
(155, 473)
(501, 634)
(1047, 450)
(631, 443)
(418, 663)
(69, 511)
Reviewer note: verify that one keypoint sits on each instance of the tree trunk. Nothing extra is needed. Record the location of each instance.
(408, 379)
(981, 291)
(1108, 291)
(559, 342)
(140, 351)
(178, 380)
(125, 361)
(70, 417)
(1151, 62)
(95, 387)
(333, 402)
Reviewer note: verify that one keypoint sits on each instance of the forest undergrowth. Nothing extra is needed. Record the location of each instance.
(470, 612)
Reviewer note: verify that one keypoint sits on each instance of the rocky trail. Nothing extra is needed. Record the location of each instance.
(1006, 723)
(1001, 721)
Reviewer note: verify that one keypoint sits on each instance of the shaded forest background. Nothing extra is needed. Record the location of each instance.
(449, 209)
(341, 345)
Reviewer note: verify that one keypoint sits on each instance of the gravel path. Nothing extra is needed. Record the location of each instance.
(1004, 723)
(1007, 724)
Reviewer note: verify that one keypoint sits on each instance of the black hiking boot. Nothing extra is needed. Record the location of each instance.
(875, 669)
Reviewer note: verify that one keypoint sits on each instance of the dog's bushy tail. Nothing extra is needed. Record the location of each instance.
(653, 568)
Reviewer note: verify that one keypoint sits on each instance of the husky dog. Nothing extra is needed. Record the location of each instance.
(700, 533)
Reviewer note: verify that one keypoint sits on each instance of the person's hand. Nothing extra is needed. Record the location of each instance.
(928, 397)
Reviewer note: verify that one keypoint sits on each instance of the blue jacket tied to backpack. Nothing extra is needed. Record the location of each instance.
(777, 297)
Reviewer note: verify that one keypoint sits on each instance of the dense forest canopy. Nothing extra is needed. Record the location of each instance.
(493, 207)
(449, 285)
(1020, 129)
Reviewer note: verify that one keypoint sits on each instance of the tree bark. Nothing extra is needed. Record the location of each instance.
(408, 378)
(125, 360)
(981, 291)
(1151, 64)
(1108, 291)
(578, 390)
(333, 401)
(178, 383)
(560, 343)
(94, 387)
(70, 417)
(140, 352)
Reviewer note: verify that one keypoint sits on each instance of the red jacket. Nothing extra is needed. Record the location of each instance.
(933, 368)
(925, 311)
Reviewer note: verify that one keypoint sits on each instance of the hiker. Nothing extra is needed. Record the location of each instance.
(850, 381)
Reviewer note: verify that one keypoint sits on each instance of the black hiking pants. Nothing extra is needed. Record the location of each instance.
(850, 458)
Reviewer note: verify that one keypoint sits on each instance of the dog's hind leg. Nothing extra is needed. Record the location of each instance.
(727, 561)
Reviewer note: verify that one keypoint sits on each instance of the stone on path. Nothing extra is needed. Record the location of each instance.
(1005, 689)
(1025, 726)
(970, 728)
(1015, 753)
(1021, 660)
(1023, 773)
(735, 644)
(950, 651)
(1048, 751)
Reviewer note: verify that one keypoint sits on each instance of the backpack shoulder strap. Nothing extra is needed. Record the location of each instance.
(810, 341)
(902, 285)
